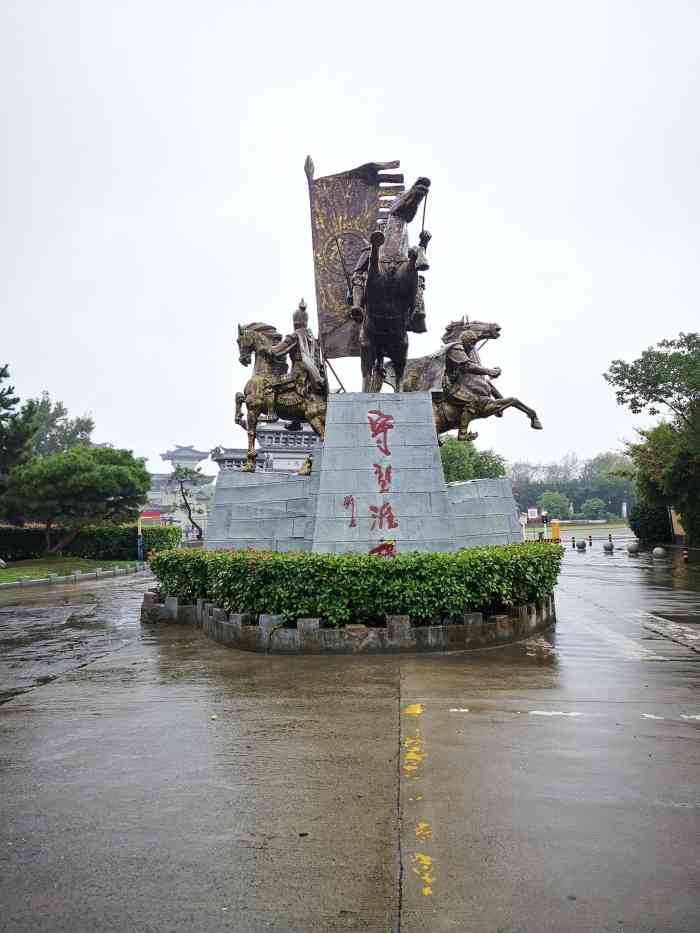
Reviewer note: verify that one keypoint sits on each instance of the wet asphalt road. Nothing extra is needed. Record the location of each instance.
(551, 786)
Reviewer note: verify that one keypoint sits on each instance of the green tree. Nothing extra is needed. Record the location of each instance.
(17, 426)
(651, 524)
(593, 508)
(666, 375)
(82, 486)
(184, 476)
(667, 461)
(667, 465)
(462, 461)
(488, 464)
(554, 503)
(55, 431)
(607, 476)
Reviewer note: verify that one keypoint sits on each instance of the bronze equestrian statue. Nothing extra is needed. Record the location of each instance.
(272, 392)
(461, 386)
(387, 291)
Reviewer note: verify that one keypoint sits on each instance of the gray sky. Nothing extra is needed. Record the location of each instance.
(156, 195)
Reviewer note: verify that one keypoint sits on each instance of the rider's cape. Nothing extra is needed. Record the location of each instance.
(345, 210)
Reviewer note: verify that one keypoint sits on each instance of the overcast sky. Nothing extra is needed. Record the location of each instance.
(156, 196)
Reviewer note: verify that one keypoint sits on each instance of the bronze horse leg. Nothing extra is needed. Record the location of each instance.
(253, 413)
(238, 416)
(497, 406)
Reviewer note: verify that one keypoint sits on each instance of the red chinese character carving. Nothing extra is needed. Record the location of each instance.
(385, 549)
(379, 425)
(349, 503)
(383, 477)
(381, 512)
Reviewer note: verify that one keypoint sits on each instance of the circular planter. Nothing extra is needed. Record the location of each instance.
(269, 634)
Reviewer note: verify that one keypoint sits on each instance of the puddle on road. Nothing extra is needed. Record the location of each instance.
(46, 633)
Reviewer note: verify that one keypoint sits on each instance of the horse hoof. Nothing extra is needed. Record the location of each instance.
(535, 423)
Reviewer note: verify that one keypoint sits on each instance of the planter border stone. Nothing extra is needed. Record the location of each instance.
(268, 634)
(77, 577)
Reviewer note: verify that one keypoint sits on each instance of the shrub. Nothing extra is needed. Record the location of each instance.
(357, 587)
(651, 524)
(99, 542)
(21, 543)
(594, 508)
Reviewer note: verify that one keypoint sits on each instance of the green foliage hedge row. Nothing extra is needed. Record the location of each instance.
(342, 588)
(99, 542)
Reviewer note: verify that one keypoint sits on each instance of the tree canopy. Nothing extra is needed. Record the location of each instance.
(667, 459)
(78, 487)
(554, 503)
(462, 461)
(666, 375)
(17, 426)
(55, 431)
(606, 476)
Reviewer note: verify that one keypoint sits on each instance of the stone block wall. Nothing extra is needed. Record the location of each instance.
(260, 510)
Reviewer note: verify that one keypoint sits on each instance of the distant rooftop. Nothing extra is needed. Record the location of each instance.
(185, 453)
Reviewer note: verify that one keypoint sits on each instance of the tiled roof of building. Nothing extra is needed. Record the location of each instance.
(188, 453)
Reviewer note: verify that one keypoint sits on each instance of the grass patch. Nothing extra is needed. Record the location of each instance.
(43, 566)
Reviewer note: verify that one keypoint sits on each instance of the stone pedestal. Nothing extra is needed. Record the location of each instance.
(380, 478)
(377, 485)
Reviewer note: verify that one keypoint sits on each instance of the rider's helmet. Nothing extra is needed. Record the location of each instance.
(300, 317)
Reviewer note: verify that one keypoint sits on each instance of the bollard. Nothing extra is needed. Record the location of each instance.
(610, 537)
(658, 552)
(608, 547)
(633, 547)
(581, 545)
(685, 554)
(573, 542)
(590, 541)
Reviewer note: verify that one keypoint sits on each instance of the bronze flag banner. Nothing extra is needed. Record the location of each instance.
(345, 209)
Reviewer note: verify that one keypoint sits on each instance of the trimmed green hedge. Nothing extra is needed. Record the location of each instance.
(357, 587)
(99, 542)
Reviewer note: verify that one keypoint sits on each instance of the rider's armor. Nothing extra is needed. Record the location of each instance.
(303, 349)
(458, 367)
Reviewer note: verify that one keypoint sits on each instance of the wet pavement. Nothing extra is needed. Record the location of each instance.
(162, 782)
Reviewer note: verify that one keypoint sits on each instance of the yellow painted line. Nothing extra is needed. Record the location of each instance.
(413, 753)
(422, 867)
(423, 830)
(413, 709)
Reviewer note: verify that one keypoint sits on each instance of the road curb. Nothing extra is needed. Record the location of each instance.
(77, 577)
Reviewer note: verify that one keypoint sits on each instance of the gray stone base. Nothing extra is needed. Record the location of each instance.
(269, 635)
(365, 490)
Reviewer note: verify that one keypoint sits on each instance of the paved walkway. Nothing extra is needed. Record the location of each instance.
(173, 784)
